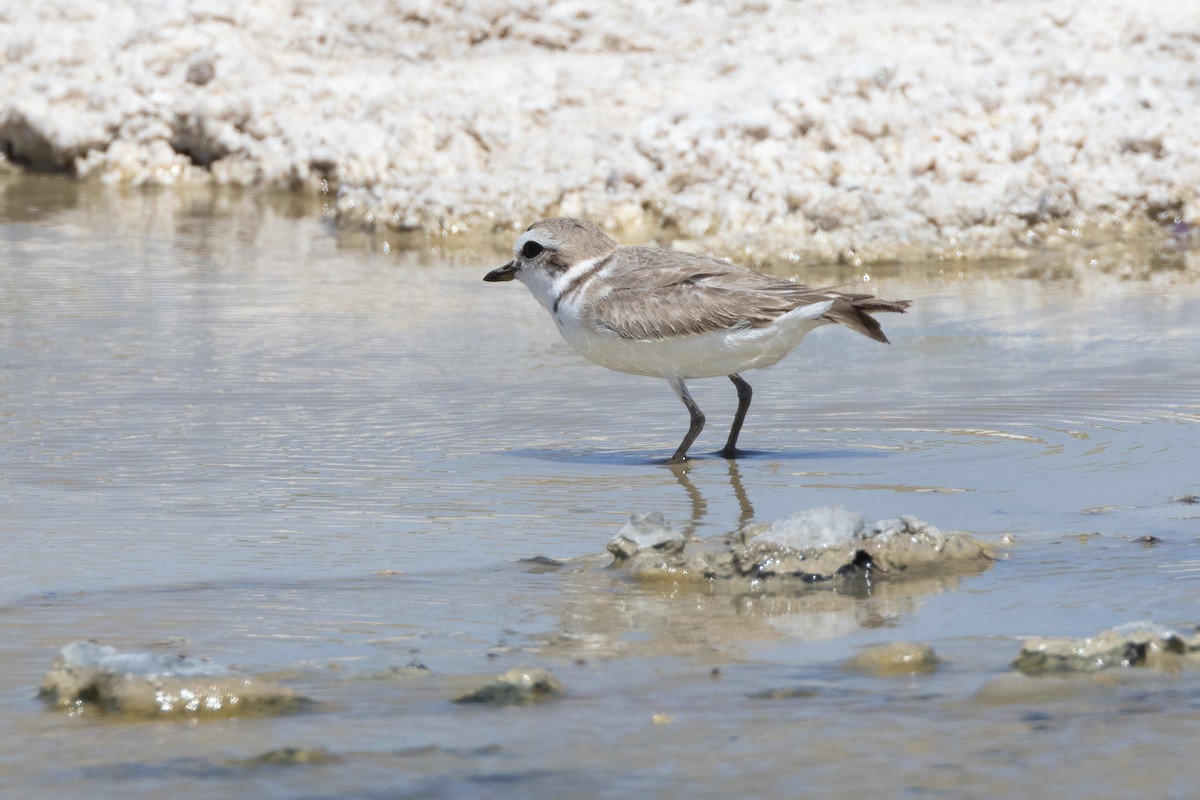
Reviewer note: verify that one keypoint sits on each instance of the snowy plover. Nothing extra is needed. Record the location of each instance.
(672, 315)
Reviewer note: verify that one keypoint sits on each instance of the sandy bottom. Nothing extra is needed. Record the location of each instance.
(230, 435)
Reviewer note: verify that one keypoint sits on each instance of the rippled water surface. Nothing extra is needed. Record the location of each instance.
(226, 433)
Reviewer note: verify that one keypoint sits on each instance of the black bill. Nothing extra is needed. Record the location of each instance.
(505, 273)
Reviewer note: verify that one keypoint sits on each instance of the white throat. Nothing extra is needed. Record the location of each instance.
(549, 291)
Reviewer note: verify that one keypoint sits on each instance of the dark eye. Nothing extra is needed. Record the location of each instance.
(531, 249)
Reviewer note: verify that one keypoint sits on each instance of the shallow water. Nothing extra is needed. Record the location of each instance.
(226, 432)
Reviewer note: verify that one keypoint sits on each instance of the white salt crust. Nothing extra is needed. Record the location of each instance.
(809, 129)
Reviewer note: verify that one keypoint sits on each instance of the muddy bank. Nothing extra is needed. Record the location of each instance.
(519, 686)
(86, 674)
(1057, 669)
(1136, 644)
(763, 130)
(817, 546)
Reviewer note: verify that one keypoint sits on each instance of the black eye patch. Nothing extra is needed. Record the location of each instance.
(531, 249)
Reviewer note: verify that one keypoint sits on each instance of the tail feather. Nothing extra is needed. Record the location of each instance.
(854, 311)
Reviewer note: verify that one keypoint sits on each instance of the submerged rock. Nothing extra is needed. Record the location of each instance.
(895, 658)
(1137, 644)
(1017, 688)
(152, 684)
(787, 693)
(517, 687)
(818, 544)
(287, 756)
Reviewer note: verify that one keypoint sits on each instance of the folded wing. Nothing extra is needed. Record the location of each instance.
(661, 295)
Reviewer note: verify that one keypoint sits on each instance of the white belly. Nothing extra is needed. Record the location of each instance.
(707, 355)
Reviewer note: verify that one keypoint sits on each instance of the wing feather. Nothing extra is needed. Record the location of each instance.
(661, 294)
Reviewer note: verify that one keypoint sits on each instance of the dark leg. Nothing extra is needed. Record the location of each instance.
(697, 420)
(744, 394)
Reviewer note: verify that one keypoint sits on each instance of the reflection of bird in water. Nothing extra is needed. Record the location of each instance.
(700, 505)
(714, 620)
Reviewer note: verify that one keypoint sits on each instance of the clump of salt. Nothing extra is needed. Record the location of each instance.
(814, 529)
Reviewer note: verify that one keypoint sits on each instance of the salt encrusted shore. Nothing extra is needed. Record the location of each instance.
(802, 129)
